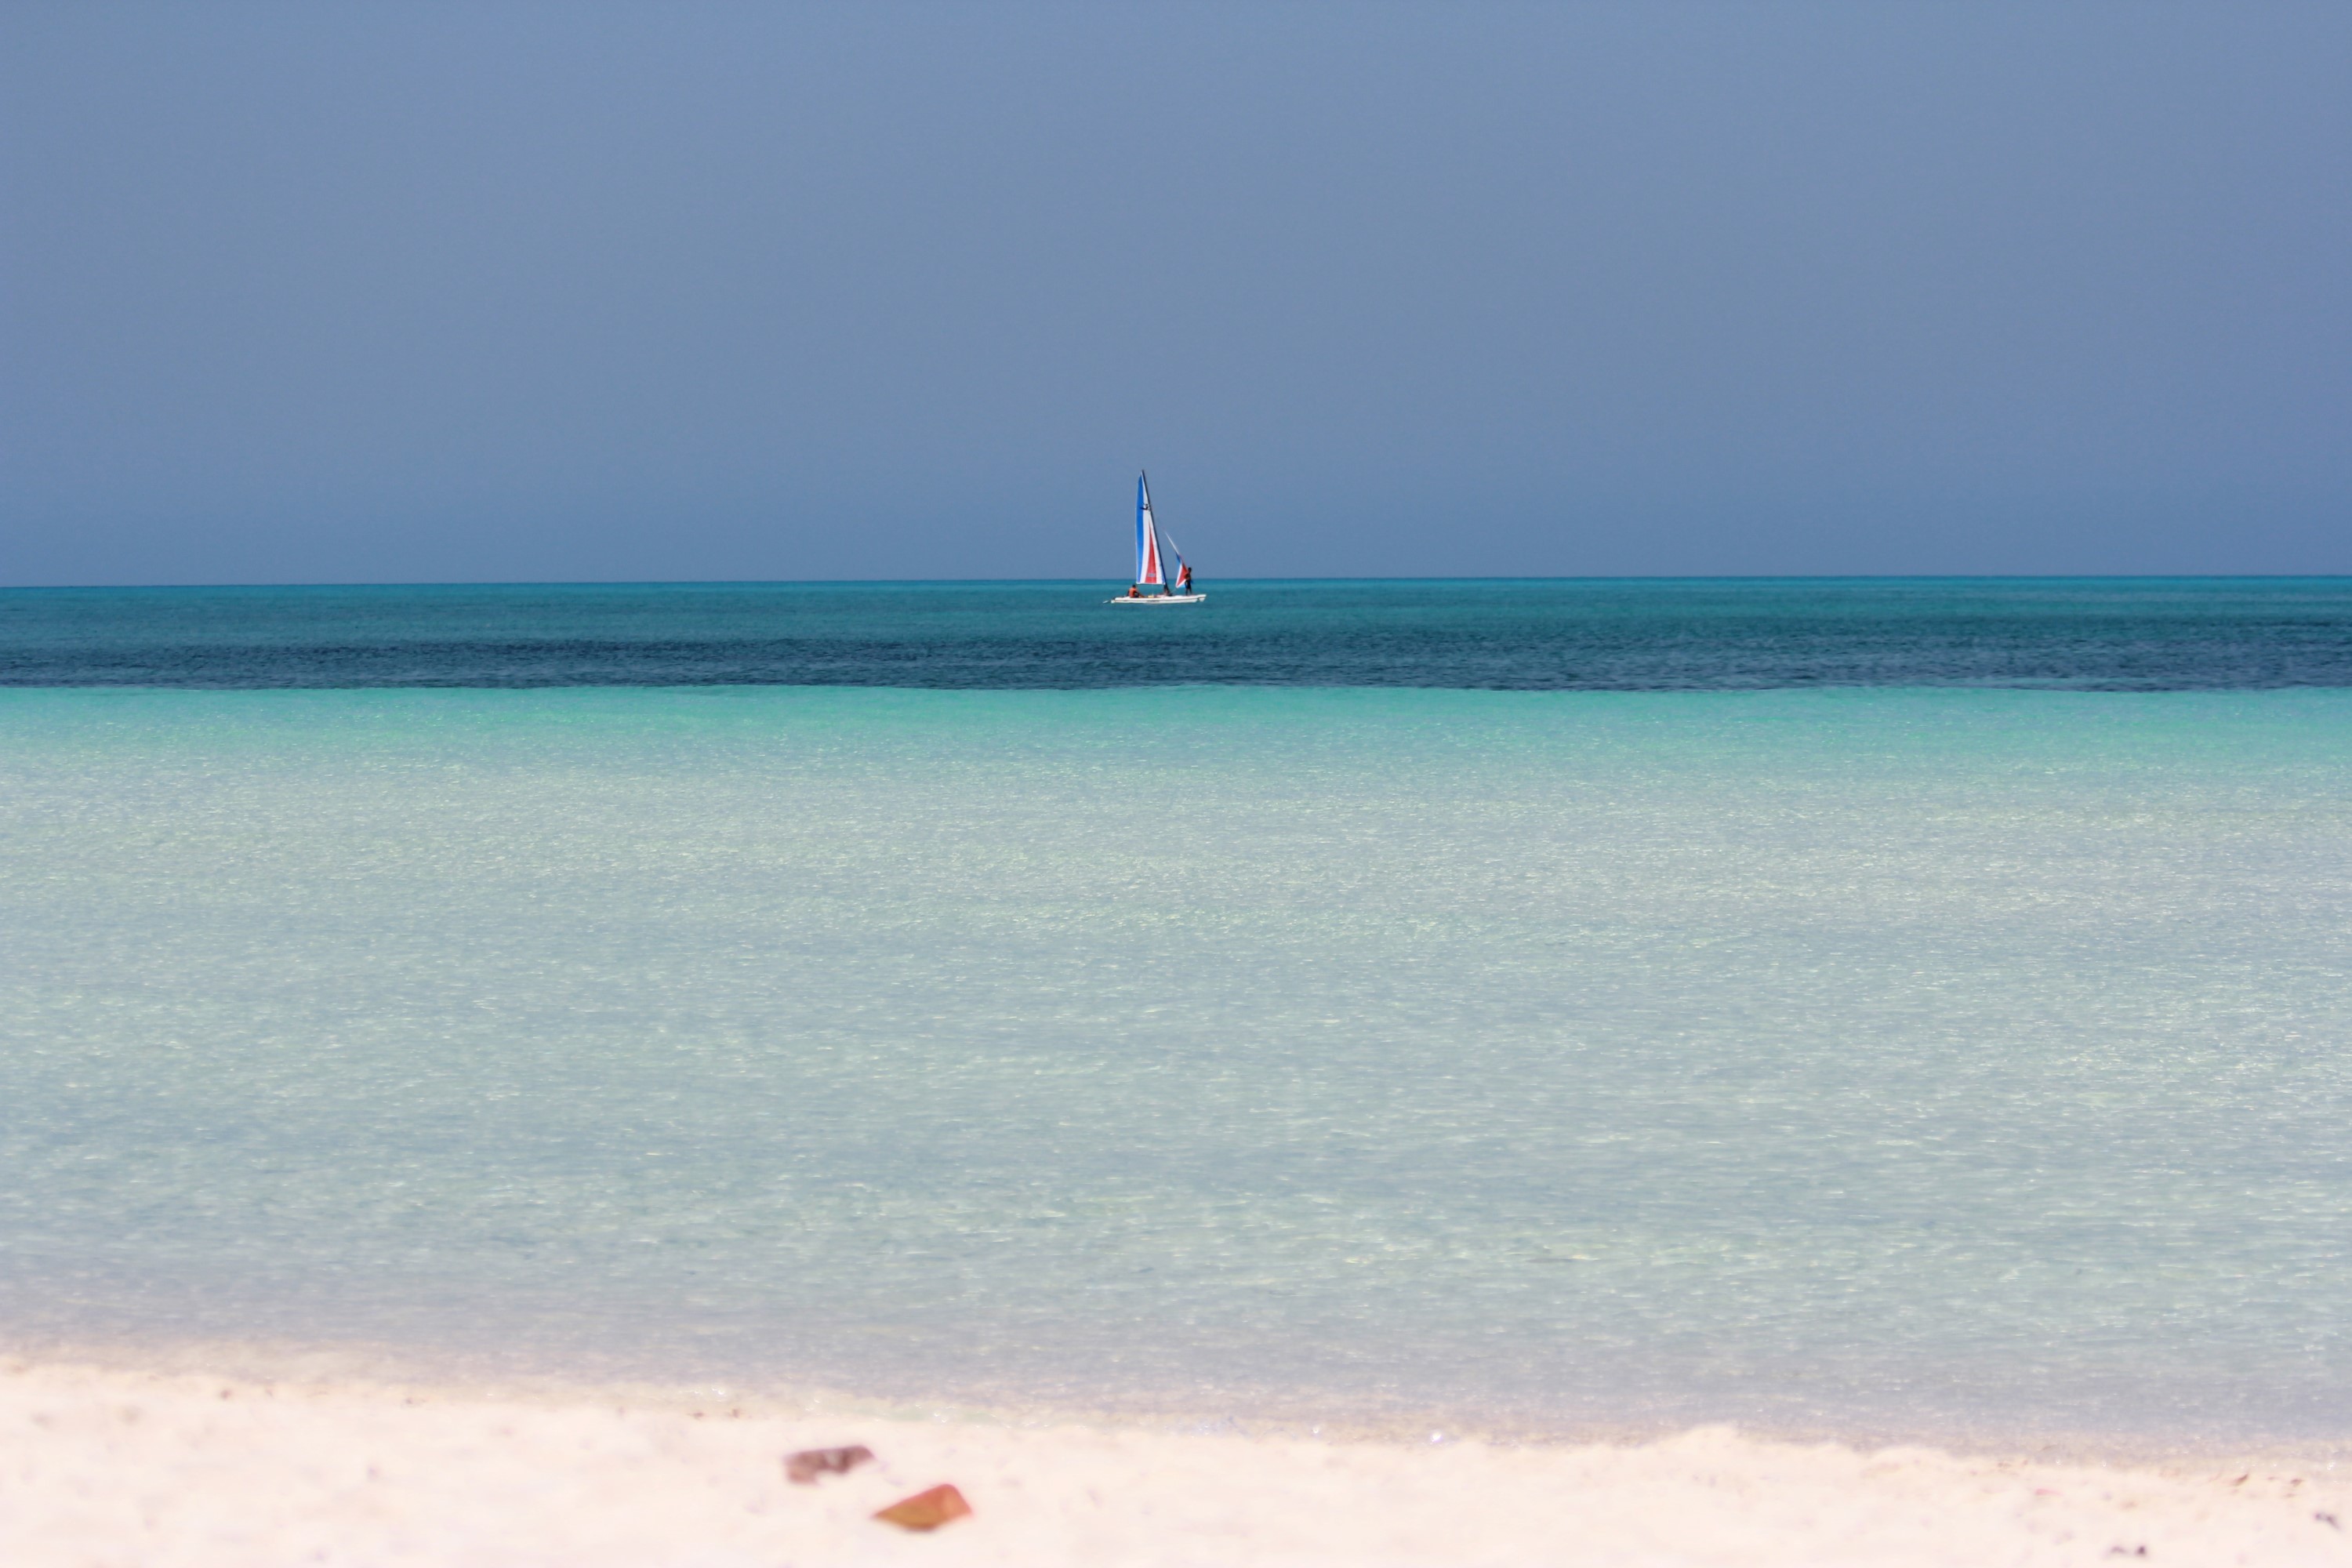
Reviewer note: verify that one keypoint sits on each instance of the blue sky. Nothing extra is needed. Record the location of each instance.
(444, 292)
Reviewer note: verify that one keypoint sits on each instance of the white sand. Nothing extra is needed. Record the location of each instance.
(117, 1467)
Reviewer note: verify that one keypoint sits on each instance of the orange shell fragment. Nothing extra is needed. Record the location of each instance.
(926, 1510)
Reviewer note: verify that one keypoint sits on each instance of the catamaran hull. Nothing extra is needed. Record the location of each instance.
(1161, 599)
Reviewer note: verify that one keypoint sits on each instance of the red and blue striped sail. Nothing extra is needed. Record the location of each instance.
(1147, 538)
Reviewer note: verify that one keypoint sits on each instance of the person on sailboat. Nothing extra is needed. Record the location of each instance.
(1184, 578)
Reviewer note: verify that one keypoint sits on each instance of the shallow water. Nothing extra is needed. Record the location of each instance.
(1889, 1059)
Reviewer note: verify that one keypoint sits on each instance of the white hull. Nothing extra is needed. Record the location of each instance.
(1162, 599)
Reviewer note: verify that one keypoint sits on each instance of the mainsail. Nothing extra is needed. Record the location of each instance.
(1147, 538)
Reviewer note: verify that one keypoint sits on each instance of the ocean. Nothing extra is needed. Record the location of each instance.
(2114, 634)
(1915, 1008)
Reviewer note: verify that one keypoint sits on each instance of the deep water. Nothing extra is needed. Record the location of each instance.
(2126, 635)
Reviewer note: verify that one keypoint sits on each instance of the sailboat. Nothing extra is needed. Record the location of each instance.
(1154, 551)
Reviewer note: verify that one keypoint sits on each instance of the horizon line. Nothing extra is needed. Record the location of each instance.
(1080, 582)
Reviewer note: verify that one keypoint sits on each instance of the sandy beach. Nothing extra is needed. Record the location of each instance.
(102, 1466)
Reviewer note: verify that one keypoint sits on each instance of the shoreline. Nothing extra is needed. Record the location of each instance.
(1306, 1414)
(175, 1465)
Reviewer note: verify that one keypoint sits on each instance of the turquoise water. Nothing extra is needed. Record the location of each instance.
(1881, 1059)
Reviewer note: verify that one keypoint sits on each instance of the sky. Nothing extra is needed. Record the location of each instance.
(445, 292)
